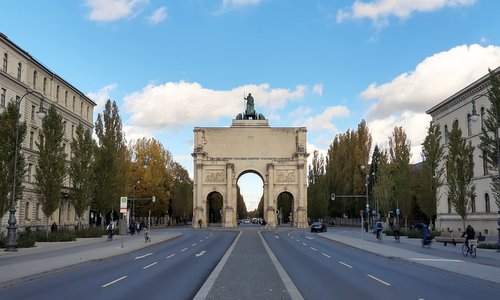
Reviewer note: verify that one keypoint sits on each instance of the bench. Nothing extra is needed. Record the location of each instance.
(448, 237)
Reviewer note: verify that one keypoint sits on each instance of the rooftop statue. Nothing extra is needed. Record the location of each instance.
(250, 112)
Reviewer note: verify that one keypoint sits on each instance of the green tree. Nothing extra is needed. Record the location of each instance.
(490, 142)
(459, 173)
(8, 123)
(384, 189)
(50, 168)
(400, 152)
(111, 160)
(81, 171)
(431, 177)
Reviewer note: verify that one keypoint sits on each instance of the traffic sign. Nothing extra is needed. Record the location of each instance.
(397, 211)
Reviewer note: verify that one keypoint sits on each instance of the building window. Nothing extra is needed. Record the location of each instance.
(449, 206)
(37, 211)
(2, 97)
(67, 211)
(32, 112)
(64, 128)
(81, 108)
(32, 138)
(66, 98)
(30, 172)
(487, 202)
(27, 211)
(482, 118)
(45, 85)
(57, 93)
(473, 204)
(446, 133)
(72, 131)
(73, 103)
(19, 68)
(485, 163)
(5, 60)
(88, 109)
(469, 125)
(34, 79)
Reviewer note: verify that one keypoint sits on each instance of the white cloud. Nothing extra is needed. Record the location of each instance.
(180, 103)
(101, 96)
(318, 89)
(379, 11)
(323, 121)
(228, 5)
(112, 10)
(433, 80)
(158, 16)
(404, 100)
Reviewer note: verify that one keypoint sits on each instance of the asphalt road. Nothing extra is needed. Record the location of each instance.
(324, 269)
(175, 269)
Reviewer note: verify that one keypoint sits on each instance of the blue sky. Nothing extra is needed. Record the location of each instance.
(326, 65)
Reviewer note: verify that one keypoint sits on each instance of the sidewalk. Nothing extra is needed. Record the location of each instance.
(458, 264)
(34, 262)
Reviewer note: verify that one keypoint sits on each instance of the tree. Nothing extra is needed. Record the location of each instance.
(400, 152)
(50, 169)
(81, 171)
(181, 205)
(490, 142)
(111, 160)
(317, 192)
(431, 177)
(8, 123)
(459, 173)
(384, 189)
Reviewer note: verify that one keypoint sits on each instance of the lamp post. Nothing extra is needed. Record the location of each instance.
(474, 117)
(12, 228)
(367, 210)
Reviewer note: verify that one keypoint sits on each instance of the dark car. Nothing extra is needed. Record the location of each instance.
(318, 227)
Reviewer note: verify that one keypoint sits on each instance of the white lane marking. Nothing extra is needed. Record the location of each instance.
(379, 280)
(310, 238)
(194, 244)
(326, 255)
(150, 265)
(297, 240)
(113, 282)
(437, 259)
(304, 244)
(206, 238)
(142, 256)
(201, 253)
(313, 249)
(184, 249)
(276, 236)
(171, 255)
(200, 241)
(343, 263)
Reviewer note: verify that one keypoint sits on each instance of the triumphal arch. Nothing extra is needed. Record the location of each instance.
(222, 154)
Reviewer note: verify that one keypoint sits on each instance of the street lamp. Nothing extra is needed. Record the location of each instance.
(12, 228)
(474, 117)
(365, 168)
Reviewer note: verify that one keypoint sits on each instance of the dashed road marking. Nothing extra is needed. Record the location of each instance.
(200, 241)
(142, 256)
(379, 280)
(326, 255)
(150, 265)
(313, 249)
(171, 255)
(276, 236)
(343, 263)
(194, 244)
(113, 282)
(184, 249)
(304, 244)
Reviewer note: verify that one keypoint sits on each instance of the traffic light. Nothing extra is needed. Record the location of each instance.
(332, 196)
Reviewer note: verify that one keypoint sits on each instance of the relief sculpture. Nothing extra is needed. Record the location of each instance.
(285, 176)
(214, 176)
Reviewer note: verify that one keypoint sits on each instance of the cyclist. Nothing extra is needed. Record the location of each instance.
(469, 234)
(378, 229)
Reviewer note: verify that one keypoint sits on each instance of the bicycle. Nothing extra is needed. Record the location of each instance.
(427, 242)
(471, 250)
(147, 238)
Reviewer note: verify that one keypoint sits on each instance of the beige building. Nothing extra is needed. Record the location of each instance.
(20, 73)
(277, 155)
(459, 107)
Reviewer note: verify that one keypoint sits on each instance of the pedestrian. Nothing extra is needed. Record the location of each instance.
(110, 231)
(53, 228)
(469, 234)
(200, 222)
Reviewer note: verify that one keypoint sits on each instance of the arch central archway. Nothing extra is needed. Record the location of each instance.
(278, 155)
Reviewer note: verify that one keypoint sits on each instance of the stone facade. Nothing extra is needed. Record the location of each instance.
(21, 73)
(458, 107)
(277, 155)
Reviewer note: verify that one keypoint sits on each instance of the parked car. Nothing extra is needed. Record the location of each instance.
(318, 227)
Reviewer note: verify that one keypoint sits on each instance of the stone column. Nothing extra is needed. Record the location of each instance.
(302, 209)
(270, 211)
(229, 203)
